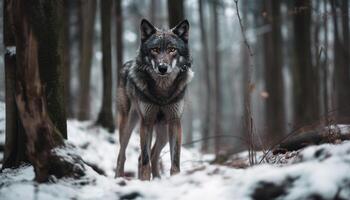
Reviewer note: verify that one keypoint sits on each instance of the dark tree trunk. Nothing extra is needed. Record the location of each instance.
(217, 78)
(325, 63)
(32, 102)
(208, 94)
(105, 117)
(50, 63)
(175, 12)
(119, 41)
(341, 62)
(246, 67)
(305, 84)
(154, 11)
(275, 112)
(66, 57)
(14, 153)
(88, 13)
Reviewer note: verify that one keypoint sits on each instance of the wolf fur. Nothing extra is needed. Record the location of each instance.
(151, 91)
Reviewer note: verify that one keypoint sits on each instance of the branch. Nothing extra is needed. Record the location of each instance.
(243, 30)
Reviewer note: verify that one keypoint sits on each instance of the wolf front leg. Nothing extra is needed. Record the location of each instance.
(127, 123)
(146, 129)
(161, 140)
(175, 134)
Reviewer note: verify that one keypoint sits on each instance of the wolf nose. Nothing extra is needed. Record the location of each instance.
(162, 69)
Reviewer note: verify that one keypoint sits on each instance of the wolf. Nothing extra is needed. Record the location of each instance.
(151, 91)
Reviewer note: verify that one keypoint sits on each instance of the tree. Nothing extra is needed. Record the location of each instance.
(66, 57)
(217, 79)
(32, 99)
(154, 11)
(105, 117)
(87, 17)
(176, 12)
(273, 61)
(14, 153)
(119, 40)
(205, 59)
(305, 78)
(325, 63)
(341, 62)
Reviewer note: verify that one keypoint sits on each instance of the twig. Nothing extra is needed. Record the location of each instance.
(243, 30)
(248, 119)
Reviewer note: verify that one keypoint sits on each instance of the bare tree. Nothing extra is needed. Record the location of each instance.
(305, 78)
(176, 12)
(15, 136)
(154, 11)
(31, 97)
(119, 41)
(341, 61)
(217, 72)
(325, 62)
(275, 112)
(105, 117)
(205, 55)
(14, 153)
(87, 17)
(66, 57)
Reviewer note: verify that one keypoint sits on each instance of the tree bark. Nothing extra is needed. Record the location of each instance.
(275, 112)
(50, 60)
(208, 94)
(175, 12)
(14, 152)
(154, 11)
(66, 57)
(325, 65)
(341, 62)
(105, 117)
(88, 13)
(217, 78)
(305, 84)
(32, 102)
(119, 42)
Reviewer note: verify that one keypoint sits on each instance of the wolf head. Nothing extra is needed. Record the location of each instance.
(165, 52)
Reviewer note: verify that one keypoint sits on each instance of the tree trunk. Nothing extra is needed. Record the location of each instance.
(50, 62)
(66, 57)
(154, 11)
(14, 153)
(119, 42)
(88, 13)
(175, 12)
(205, 60)
(325, 65)
(275, 112)
(341, 62)
(217, 78)
(105, 117)
(32, 102)
(305, 84)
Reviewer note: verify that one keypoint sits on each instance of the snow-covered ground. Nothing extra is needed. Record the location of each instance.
(316, 172)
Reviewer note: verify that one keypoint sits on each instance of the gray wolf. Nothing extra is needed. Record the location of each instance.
(151, 91)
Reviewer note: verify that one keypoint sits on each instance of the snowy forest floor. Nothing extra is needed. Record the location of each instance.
(315, 172)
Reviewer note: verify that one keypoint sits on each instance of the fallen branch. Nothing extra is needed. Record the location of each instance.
(313, 137)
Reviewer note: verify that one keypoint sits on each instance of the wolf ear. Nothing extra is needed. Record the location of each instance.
(147, 29)
(182, 30)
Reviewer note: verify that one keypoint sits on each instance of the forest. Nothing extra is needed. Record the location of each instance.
(266, 115)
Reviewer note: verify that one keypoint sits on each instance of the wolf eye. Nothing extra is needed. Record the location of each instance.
(155, 50)
(171, 49)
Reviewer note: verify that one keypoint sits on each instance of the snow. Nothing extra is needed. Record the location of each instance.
(11, 50)
(316, 171)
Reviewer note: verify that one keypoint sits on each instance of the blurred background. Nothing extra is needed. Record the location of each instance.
(262, 68)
